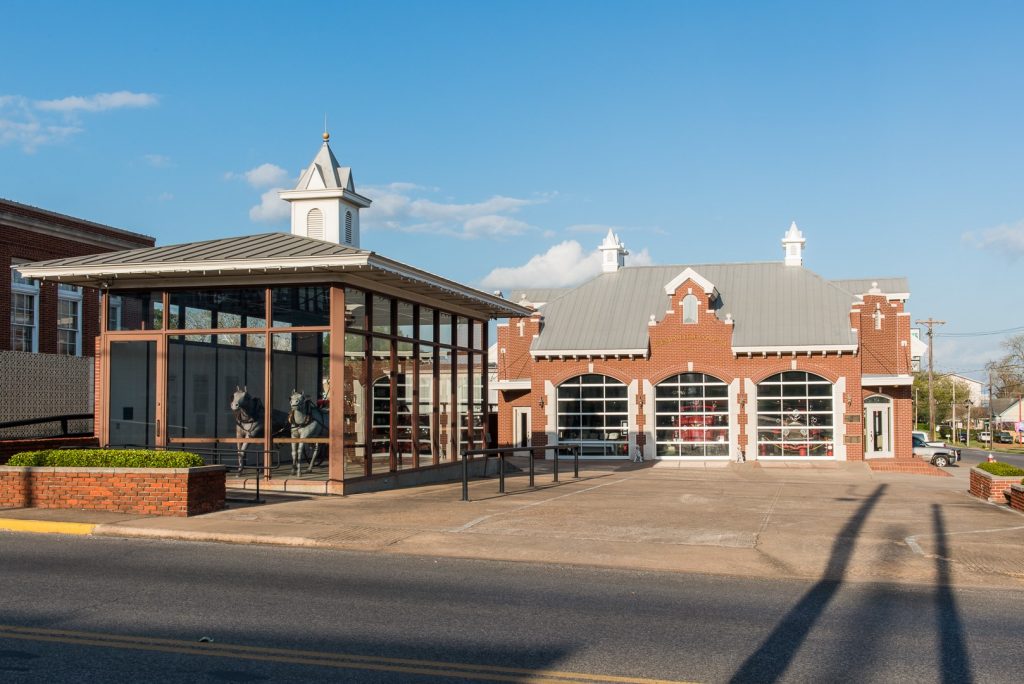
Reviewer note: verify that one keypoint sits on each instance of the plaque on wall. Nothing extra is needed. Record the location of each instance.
(852, 418)
(851, 439)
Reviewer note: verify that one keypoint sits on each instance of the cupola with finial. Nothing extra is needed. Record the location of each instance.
(613, 253)
(325, 204)
(793, 244)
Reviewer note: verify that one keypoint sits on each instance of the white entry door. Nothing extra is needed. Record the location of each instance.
(521, 426)
(878, 426)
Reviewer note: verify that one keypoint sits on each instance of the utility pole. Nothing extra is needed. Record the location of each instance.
(931, 323)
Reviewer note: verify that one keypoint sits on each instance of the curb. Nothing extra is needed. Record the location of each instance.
(115, 530)
(46, 526)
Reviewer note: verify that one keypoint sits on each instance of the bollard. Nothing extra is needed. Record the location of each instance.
(556, 450)
(533, 466)
(465, 478)
(501, 473)
(576, 463)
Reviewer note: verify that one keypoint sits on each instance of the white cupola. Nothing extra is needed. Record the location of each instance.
(325, 204)
(613, 253)
(793, 244)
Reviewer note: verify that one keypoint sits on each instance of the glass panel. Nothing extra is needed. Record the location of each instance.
(132, 387)
(426, 418)
(706, 405)
(381, 315)
(355, 406)
(405, 455)
(298, 391)
(445, 328)
(381, 425)
(462, 328)
(135, 311)
(478, 335)
(598, 423)
(305, 305)
(797, 425)
(426, 324)
(23, 321)
(405, 320)
(355, 309)
(193, 310)
(444, 394)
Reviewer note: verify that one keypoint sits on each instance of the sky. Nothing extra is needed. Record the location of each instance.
(500, 141)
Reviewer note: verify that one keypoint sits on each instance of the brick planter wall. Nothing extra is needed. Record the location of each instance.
(146, 491)
(990, 487)
(1017, 497)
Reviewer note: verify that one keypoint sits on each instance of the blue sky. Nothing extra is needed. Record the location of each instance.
(512, 135)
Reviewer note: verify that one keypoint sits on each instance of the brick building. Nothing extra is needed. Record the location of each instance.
(765, 361)
(48, 336)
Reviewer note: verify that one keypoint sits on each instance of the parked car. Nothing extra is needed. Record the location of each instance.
(984, 436)
(1004, 437)
(923, 436)
(941, 456)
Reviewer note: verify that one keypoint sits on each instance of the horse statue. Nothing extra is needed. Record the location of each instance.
(306, 420)
(248, 412)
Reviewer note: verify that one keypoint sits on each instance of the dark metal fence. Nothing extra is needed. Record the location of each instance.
(502, 452)
(64, 422)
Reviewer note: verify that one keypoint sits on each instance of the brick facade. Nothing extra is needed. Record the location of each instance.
(31, 234)
(883, 330)
(146, 491)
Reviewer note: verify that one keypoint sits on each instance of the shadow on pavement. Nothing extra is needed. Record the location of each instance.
(954, 661)
(774, 655)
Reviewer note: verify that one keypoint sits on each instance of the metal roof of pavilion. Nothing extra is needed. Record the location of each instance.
(774, 307)
(261, 259)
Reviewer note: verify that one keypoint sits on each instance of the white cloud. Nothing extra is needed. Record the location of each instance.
(401, 206)
(266, 175)
(271, 209)
(33, 123)
(157, 160)
(562, 265)
(165, 197)
(1006, 238)
(100, 102)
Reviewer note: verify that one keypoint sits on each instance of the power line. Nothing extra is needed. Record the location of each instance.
(984, 333)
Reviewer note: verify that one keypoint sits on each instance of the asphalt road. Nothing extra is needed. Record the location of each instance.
(115, 610)
(972, 457)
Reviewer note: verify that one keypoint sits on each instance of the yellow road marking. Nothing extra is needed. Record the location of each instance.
(45, 526)
(315, 658)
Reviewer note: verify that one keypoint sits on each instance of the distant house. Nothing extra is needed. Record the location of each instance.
(976, 394)
(46, 365)
(1007, 413)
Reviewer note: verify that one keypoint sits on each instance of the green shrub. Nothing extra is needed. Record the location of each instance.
(106, 458)
(1001, 469)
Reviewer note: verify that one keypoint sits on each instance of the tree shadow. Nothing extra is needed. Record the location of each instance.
(775, 654)
(954, 661)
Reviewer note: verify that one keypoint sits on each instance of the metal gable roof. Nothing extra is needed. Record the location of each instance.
(772, 306)
(260, 259)
(860, 286)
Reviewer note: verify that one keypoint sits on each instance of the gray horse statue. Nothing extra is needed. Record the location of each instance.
(248, 412)
(306, 420)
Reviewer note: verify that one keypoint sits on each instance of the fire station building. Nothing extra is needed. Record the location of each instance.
(711, 362)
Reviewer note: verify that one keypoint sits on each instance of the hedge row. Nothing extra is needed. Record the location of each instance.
(106, 458)
(1000, 469)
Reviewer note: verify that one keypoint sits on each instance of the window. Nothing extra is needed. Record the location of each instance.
(348, 227)
(691, 416)
(593, 411)
(315, 224)
(69, 320)
(689, 309)
(24, 312)
(794, 415)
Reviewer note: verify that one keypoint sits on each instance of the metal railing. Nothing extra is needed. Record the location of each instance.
(63, 420)
(502, 452)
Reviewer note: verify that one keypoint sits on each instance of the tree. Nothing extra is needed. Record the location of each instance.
(1008, 372)
(943, 392)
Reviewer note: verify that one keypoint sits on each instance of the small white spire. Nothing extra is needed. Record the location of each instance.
(793, 245)
(613, 253)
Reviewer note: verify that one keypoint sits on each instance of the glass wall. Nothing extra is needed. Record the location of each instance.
(593, 412)
(794, 415)
(412, 394)
(691, 416)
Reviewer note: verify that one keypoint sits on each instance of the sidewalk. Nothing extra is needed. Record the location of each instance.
(839, 520)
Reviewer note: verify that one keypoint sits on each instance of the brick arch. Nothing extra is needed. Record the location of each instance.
(614, 375)
(827, 375)
(727, 378)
